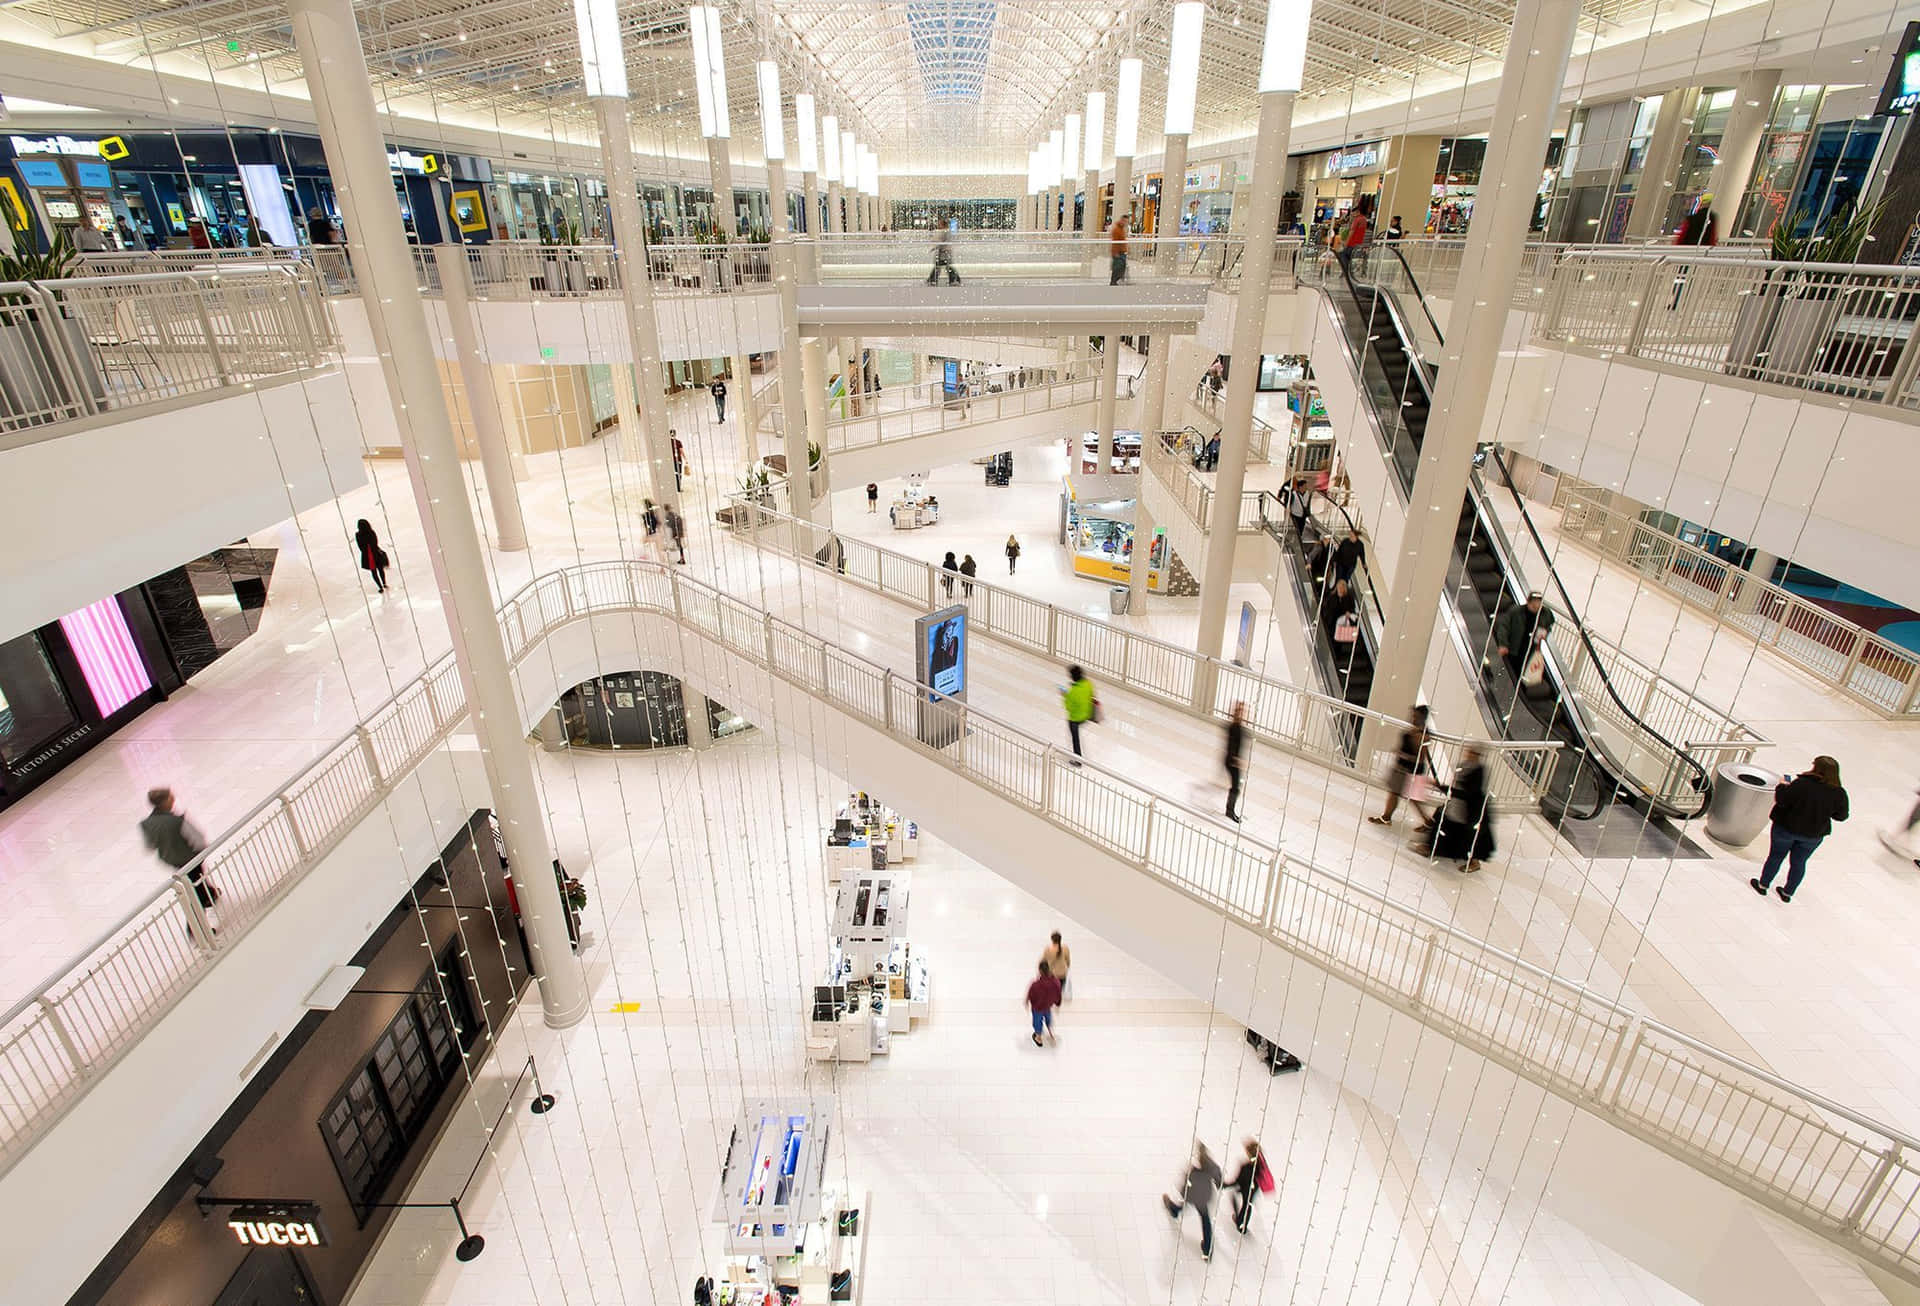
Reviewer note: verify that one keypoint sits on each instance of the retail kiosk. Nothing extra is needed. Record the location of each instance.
(789, 1233)
(876, 983)
(868, 835)
(1126, 453)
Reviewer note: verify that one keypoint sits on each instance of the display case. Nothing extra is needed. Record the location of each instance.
(863, 825)
(1126, 453)
(1099, 537)
(773, 1177)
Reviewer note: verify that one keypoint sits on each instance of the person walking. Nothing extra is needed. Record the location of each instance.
(968, 569)
(943, 254)
(373, 558)
(1058, 960)
(1409, 762)
(1117, 251)
(1236, 757)
(1805, 806)
(650, 522)
(1700, 228)
(174, 840)
(1013, 554)
(719, 392)
(1043, 995)
(677, 531)
(1252, 1176)
(1395, 232)
(873, 497)
(1077, 697)
(1198, 1190)
(1465, 832)
(949, 568)
(1901, 840)
(1355, 235)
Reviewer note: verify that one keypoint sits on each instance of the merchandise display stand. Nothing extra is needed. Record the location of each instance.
(876, 984)
(791, 1236)
(869, 835)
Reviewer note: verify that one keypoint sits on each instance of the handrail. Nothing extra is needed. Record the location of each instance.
(1753, 1130)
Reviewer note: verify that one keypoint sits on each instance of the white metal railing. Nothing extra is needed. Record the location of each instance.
(1169, 456)
(1314, 726)
(1833, 1170)
(1018, 256)
(1213, 404)
(95, 344)
(926, 409)
(1873, 671)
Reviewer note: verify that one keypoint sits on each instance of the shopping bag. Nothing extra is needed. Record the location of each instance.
(1347, 629)
(1535, 671)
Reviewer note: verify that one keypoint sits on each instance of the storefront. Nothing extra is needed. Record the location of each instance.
(1209, 198)
(1332, 182)
(335, 1124)
(638, 710)
(1098, 534)
(70, 684)
(1456, 184)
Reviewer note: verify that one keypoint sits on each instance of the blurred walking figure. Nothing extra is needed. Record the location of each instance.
(943, 254)
(873, 497)
(968, 569)
(1013, 554)
(1465, 832)
(1805, 806)
(1252, 1176)
(1411, 768)
(949, 568)
(677, 529)
(650, 520)
(1117, 251)
(1901, 840)
(1199, 1189)
(719, 391)
(1043, 995)
(1236, 757)
(373, 558)
(1080, 703)
(1058, 960)
(175, 841)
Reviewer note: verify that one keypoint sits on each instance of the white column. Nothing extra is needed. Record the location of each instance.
(749, 410)
(786, 271)
(813, 374)
(1662, 160)
(720, 166)
(1536, 65)
(810, 188)
(1249, 326)
(699, 727)
(1173, 198)
(1740, 143)
(1092, 220)
(1109, 396)
(476, 378)
(1142, 555)
(342, 93)
(835, 222)
(636, 292)
(1123, 189)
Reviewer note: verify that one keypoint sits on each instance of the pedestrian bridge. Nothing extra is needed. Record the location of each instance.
(1657, 1133)
(920, 427)
(1036, 308)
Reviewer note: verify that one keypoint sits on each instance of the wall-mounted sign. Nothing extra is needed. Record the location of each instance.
(469, 210)
(1357, 159)
(1203, 177)
(56, 145)
(290, 1224)
(423, 165)
(1901, 93)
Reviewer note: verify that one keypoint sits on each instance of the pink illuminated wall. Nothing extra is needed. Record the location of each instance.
(100, 640)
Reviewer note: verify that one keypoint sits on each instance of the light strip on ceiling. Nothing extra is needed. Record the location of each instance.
(807, 140)
(1183, 66)
(1283, 56)
(602, 65)
(773, 134)
(1126, 111)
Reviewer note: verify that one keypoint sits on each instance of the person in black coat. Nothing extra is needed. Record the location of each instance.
(1805, 806)
(719, 391)
(1236, 757)
(949, 568)
(373, 558)
(1466, 822)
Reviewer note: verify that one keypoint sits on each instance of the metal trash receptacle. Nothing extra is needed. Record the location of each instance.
(1742, 800)
(1117, 599)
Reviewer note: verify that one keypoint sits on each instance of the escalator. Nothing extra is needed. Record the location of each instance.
(1306, 544)
(1392, 339)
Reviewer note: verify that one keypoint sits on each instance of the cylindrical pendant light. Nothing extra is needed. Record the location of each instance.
(772, 134)
(830, 148)
(1096, 128)
(1070, 149)
(602, 65)
(1183, 66)
(1126, 112)
(1283, 57)
(804, 134)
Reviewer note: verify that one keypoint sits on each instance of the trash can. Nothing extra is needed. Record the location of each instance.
(1742, 798)
(1117, 598)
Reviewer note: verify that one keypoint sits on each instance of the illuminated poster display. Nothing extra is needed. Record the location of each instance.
(940, 643)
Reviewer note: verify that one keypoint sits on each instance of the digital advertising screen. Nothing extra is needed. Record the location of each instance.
(94, 176)
(41, 172)
(947, 655)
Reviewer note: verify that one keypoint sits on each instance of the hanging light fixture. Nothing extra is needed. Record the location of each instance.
(1096, 128)
(1056, 141)
(1070, 150)
(1283, 56)
(772, 132)
(806, 139)
(602, 65)
(1126, 112)
(1183, 66)
(849, 162)
(830, 153)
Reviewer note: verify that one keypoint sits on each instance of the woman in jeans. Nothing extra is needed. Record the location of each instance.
(1805, 807)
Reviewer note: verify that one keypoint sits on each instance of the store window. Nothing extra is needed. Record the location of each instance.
(1782, 150)
(1838, 169)
(1456, 183)
(1699, 157)
(34, 707)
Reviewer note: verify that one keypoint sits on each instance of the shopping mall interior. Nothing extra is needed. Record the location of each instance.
(592, 734)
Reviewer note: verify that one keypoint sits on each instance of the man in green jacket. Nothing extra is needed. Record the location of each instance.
(1078, 700)
(1520, 628)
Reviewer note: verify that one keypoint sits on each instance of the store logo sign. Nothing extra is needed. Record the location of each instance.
(424, 165)
(1365, 156)
(59, 145)
(278, 1226)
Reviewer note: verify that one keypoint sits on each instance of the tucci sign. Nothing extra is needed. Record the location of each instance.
(294, 1225)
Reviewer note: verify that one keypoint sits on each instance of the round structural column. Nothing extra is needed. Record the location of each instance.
(1173, 198)
(720, 165)
(476, 378)
(342, 91)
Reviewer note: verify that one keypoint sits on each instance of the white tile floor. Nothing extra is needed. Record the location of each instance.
(1819, 991)
(987, 1171)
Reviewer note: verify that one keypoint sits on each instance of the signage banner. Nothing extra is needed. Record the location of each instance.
(1203, 177)
(1354, 158)
(279, 1224)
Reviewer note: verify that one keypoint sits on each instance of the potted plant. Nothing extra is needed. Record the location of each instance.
(1782, 327)
(34, 343)
(816, 476)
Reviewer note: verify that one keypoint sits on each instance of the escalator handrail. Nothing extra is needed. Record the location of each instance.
(1419, 294)
(1391, 302)
(1687, 760)
(1497, 536)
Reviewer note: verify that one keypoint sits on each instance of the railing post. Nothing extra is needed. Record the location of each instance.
(206, 329)
(1901, 379)
(1640, 318)
(1053, 631)
(886, 700)
(1431, 945)
(369, 754)
(190, 904)
(766, 636)
(1146, 837)
(1046, 780)
(1624, 1061)
(1845, 677)
(1907, 696)
(61, 1032)
(1871, 1189)
(293, 822)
